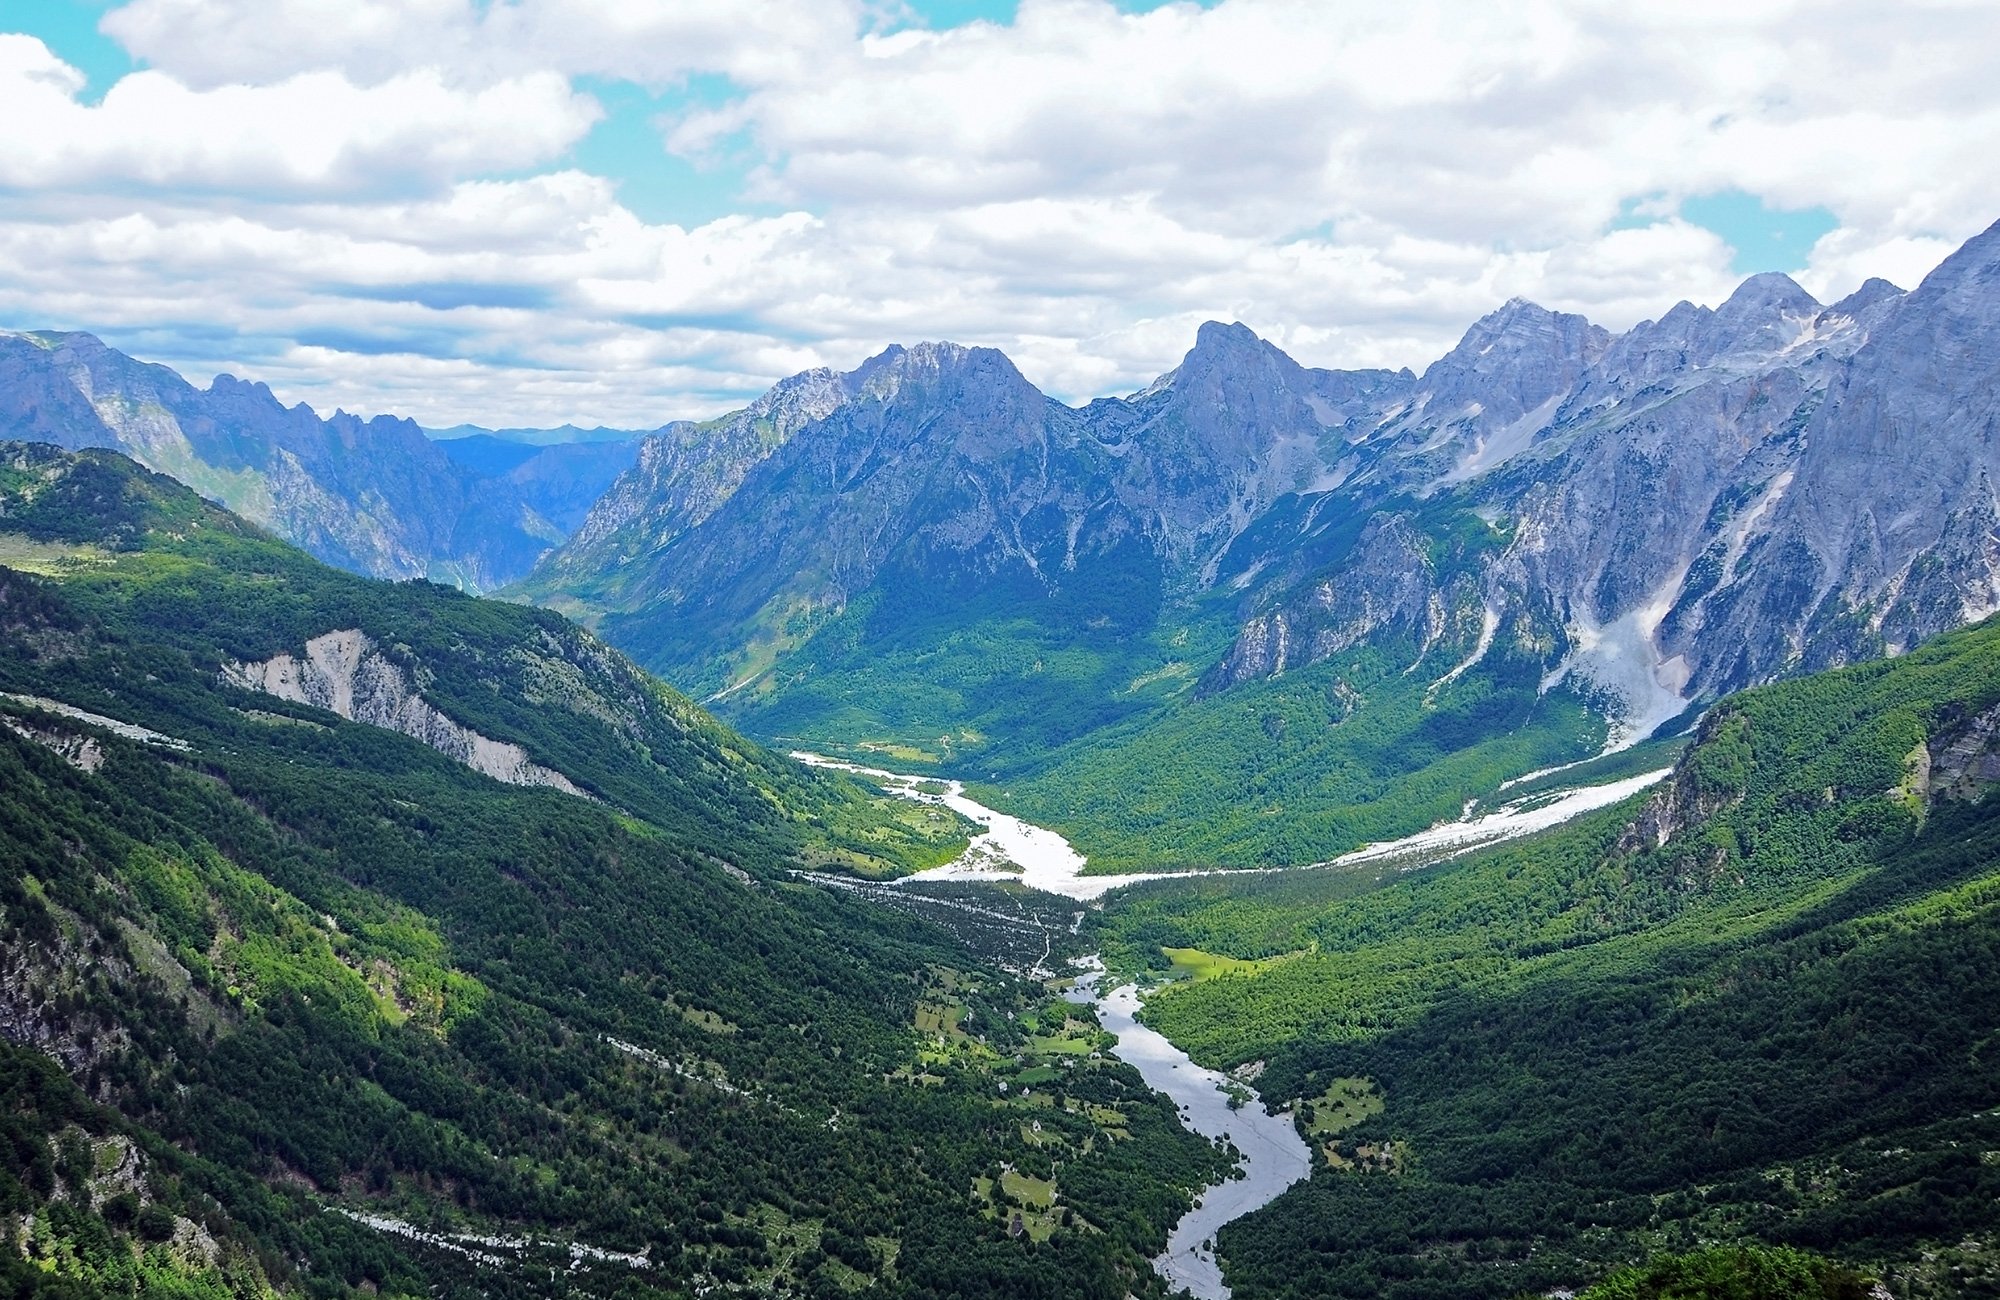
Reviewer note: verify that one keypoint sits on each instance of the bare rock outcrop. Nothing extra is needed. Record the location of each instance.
(346, 673)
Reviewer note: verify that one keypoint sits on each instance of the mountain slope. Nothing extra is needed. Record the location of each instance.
(683, 473)
(305, 992)
(1364, 597)
(1757, 1003)
(559, 482)
(375, 497)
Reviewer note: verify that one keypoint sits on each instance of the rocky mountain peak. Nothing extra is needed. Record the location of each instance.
(1767, 313)
(226, 384)
(1873, 292)
(791, 403)
(1517, 332)
(234, 398)
(1511, 362)
(1235, 349)
(930, 364)
(1765, 294)
(1215, 337)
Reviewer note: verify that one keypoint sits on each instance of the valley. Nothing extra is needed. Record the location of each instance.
(363, 1015)
(999, 650)
(1259, 614)
(1582, 1024)
(1269, 1152)
(1280, 833)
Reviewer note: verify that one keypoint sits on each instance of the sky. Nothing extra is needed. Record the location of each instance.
(532, 212)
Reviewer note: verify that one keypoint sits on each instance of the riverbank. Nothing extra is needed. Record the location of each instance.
(1009, 849)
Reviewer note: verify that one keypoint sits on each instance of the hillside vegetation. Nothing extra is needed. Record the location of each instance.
(299, 1005)
(1759, 1003)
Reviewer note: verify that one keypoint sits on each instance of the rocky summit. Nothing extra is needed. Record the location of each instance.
(1636, 522)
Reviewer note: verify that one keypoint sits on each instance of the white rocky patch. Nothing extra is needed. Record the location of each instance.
(346, 674)
(1524, 816)
(1622, 661)
(123, 730)
(1011, 849)
(79, 751)
(1489, 623)
(1490, 451)
(490, 1249)
(1742, 528)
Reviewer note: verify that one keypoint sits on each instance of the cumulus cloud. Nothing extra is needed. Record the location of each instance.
(222, 42)
(372, 202)
(310, 130)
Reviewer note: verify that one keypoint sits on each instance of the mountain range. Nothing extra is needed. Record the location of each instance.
(1363, 596)
(374, 496)
(1553, 539)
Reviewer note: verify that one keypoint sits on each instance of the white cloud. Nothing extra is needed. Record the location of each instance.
(221, 42)
(312, 130)
(369, 200)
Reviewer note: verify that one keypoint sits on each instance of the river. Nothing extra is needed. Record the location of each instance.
(1272, 1154)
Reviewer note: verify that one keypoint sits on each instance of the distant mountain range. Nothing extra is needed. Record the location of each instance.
(929, 557)
(562, 433)
(375, 496)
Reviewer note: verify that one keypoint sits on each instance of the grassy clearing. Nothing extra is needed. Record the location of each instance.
(899, 751)
(1018, 1198)
(1344, 1104)
(49, 559)
(1196, 965)
(1039, 1193)
(707, 1020)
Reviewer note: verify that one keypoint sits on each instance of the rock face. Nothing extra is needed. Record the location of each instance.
(345, 673)
(1706, 501)
(373, 496)
(939, 470)
(1960, 761)
(1718, 498)
(683, 472)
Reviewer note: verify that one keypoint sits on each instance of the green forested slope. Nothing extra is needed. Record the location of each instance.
(292, 1003)
(1087, 710)
(1778, 1024)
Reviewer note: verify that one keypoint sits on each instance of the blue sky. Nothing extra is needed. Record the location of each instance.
(70, 28)
(537, 211)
